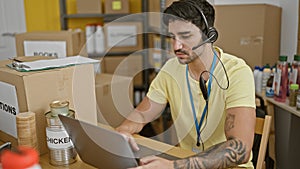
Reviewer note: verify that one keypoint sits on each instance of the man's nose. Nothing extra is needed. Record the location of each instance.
(177, 44)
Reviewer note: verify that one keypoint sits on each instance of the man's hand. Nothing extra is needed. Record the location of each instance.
(155, 163)
(129, 138)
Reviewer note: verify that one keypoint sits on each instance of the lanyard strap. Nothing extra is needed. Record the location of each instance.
(198, 125)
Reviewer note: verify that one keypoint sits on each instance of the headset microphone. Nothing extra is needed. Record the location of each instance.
(205, 41)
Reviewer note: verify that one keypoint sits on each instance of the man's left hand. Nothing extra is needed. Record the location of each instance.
(155, 163)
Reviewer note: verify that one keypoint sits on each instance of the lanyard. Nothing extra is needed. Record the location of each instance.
(198, 125)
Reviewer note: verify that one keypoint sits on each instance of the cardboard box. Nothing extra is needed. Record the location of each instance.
(89, 6)
(114, 95)
(123, 36)
(50, 43)
(251, 32)
(130, 66)
(37, 89)
(116, 6)
(155, 9)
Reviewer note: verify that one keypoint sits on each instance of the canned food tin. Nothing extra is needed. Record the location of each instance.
(59, 107)
(62, 150)
(64, 156)
(53, 121)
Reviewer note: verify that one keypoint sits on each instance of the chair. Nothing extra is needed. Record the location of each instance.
(262, 127)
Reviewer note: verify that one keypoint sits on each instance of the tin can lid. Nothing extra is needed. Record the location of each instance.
(294, 86)
(59, 104)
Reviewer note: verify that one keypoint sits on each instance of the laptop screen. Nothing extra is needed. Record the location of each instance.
(98, 146)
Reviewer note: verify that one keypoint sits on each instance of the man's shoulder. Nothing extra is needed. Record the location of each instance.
(234, 62)
(172, 64)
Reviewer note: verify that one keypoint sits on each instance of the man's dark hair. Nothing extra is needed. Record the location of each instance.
(184, 10)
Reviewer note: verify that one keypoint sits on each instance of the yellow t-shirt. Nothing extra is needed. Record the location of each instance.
(170, 86)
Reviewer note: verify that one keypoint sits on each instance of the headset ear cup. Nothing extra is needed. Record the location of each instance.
(212, 34)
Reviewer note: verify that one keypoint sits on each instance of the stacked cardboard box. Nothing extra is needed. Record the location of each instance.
(89, 6)
(251, 32)
(123, 36)
(116, 6)
(114, 95)
(130, 66)
(35, 90)
(50, 43)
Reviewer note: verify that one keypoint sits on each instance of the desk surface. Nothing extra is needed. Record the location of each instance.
(175, 151)
(156, 145)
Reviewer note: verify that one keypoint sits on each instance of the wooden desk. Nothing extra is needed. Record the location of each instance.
(156, 145)
(285, 133)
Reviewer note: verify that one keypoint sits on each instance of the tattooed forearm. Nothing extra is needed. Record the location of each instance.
(223, 155)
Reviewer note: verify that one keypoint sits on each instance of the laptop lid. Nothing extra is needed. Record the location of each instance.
(98, 146)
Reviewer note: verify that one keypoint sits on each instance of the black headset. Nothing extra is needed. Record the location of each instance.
(212, 36)
(211, 32)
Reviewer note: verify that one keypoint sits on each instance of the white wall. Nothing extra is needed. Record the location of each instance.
(289, 27)
(289, 21)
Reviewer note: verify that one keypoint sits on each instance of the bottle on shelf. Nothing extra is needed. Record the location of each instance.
(288, 79)
(90, 38)
(270, 85)
(265, 76)
(255, 72)
(281, 79)
(295, 71)
(99, 39)
(258, 80)
(293, 94)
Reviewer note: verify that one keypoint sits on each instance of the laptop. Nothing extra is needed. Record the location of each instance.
(105, 148)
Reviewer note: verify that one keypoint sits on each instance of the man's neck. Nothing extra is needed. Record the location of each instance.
(201, 64)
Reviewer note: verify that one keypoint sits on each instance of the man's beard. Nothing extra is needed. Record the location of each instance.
(190, 59)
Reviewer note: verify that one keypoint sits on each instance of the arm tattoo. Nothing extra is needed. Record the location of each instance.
(223, 155)
(229, 122)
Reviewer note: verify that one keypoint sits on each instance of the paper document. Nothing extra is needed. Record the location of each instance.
(52, 63)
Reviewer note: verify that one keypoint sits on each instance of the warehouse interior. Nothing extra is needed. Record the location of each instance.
(99, 58)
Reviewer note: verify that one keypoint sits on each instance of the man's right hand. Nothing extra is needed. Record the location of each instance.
(128, 137)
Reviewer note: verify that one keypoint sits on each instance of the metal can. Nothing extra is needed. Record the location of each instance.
(59, 107)
(293, 94)
(62, 150)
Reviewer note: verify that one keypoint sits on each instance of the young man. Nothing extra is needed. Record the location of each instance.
(218, 120)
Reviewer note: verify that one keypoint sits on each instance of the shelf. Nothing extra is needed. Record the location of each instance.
(284, 105)
(106, 17)
(140, 17)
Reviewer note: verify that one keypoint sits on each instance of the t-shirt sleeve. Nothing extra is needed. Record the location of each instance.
(241, 92)
(158, 88)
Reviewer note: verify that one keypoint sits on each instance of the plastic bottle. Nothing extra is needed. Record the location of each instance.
(270, 86)
(99, 39)
(258, 82)
(255, 72)
(265, 76)
(295, 77)
(90, 38)
(288, 81)
(24, 157)
(281, 79)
